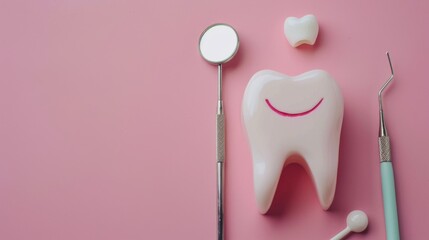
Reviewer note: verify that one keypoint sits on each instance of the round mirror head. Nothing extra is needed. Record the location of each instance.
(218, 43)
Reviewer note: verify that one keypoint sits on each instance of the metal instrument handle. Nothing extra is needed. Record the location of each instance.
(220, 157)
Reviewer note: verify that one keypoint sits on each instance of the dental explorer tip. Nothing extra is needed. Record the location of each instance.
(390, 62)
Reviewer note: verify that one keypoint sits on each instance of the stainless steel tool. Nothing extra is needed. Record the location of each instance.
(387, 176)
(219, 44)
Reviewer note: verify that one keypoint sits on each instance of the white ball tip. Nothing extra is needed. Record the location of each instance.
(357, 221)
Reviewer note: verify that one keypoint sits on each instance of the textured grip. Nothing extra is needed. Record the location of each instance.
(384, 144)
(389, 199)
(220, 137)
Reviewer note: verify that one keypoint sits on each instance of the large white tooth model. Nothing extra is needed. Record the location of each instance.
(301, 30)
(287, 116)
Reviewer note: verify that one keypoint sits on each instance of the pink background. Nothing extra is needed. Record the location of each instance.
(107, 118)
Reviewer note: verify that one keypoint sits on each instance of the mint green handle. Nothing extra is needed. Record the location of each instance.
(389, 199)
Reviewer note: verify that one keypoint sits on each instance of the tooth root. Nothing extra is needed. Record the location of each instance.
(322, 168)
(266, 174)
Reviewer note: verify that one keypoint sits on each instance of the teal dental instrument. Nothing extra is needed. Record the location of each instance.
(387, 176)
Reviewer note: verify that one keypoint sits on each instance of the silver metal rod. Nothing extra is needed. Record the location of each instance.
(220, 156)
(220, 185)
(219, 82)
(219, 90)
(383, 130)
(382, 125)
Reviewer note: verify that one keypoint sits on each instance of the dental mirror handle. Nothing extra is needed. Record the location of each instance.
(220, 156)
(220, 119)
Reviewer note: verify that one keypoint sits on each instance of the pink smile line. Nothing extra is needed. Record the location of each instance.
(285, 114)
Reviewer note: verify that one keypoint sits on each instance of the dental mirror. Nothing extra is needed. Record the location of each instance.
(218, 44)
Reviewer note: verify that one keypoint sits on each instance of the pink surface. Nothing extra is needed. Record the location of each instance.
(107, 118)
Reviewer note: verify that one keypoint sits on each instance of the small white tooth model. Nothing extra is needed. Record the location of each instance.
(285, 116)
(301, 30)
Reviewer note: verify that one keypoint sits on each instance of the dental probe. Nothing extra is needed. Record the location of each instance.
(387, 176)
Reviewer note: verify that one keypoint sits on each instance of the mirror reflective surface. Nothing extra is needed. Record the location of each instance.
(218, 43)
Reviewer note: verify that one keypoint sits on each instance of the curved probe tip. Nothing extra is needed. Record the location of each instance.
(390, 78)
